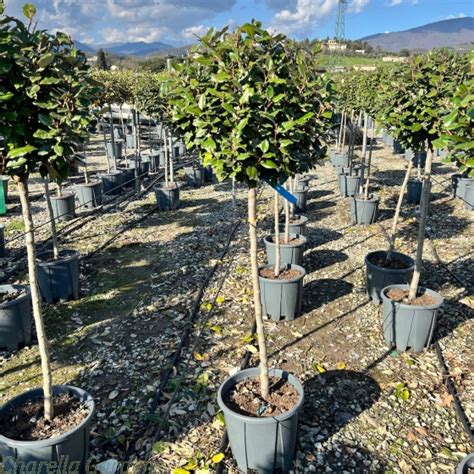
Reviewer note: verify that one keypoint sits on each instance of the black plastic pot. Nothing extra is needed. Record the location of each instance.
(398, 148)
(144, 167)
(465, 465)
(130, 140)
(68, 452)
(208, 174)
(15, 318)
(408, 325)
(265, 444)
(380, 277)
(5, 180)
(301, 199)
(282, 299)
(297, 227)
(115, 153)
(58, 279)
(128, 176)
(349, 185)
(89, 194)
(2, 241)
(64, 207)
(289, 254)
(409, 154)
(414, 188)
(355, 170)
(153, 157)
(111, 183)
(364, 211)
(167, 199)
(161, 159)
(455, 183)
(469, 197)
(303, 182)
(339, 159)
(194, 176)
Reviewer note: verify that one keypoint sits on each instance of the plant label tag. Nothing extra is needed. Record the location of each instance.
(285, 193)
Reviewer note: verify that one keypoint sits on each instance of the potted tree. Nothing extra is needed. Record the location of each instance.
(43, 72)
(227, 105)
(456, 139)
(89, 193)
(410, 311)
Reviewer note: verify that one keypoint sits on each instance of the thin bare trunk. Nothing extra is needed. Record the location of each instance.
(344, 132)
(54, 234)
(165, 145)
(364, 140)
(136, 147)
(424, 206)
(106, 151)
(393, 231)
(369, 161)
(276, 211)
(112, 137)
(124, 133)
(234, 197)
(287, 221)
(339, 135)
(252, 214)
(171, 157)
(36, 301)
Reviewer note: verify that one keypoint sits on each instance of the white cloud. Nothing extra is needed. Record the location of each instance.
(453, 17)
(301, 17)
(194, 31)
(395, 3)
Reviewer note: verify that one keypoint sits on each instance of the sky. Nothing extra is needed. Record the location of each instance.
(177, 22)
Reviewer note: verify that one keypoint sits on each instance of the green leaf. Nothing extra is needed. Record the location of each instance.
(29, 10)
(209, 144)
(264, 145)
(252, 172)
(45, 60)
(217, 458)
(16, 152)
(161, 446)
(5, 96)
(269, 164)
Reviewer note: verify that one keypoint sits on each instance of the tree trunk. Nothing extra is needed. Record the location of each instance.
(369, 161)
(339, 135)
(252, 214)
(165, 146)
(397, 212)
(276, 211)
(344, 132)
(36, 299)
(54, 234)
(364, 139)
(135, 157)
(112, 137)
(234, 196)
(171, 157)
(424, 206)
(106, 151)
(124, 133)
(287, 221)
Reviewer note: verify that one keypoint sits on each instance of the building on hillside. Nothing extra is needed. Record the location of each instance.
(333, 45)
(359, 51)
(365, 68)
(394, 59)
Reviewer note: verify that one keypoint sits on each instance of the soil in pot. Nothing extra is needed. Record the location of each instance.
(287, 274)
(17, 424)
(245, 398)
(7, 296)
(401, 296)
(394, 263)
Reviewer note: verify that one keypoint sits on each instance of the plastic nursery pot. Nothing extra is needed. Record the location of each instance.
(297, 225)
(15, 318)
(144, 167)
(408, 325)
(64, 207)
(128, 176)
(208, 175)
(282, 299)
(117, 153)
(409, 154)
(68, 450)
(264, 444)
(130, 140)
(378, 277)
(339, 159)
(303, 182)
(194, 176)
(58, 279)
(5, 180)
(414, 188)
(364, 211)
(111, 183)
(89, 194)
(161, 159)
(167, 199)
(301, 199)
(289, 253)
(349, 185)
(398, 148)
(466, 465)
(355, 170)
(469, 197)
(387, 138)
(154, 160)
(462, 184)
(2, 241)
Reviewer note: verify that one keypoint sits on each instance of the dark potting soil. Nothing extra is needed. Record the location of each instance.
(6, 297)
(284, 275)
(297, 221)
(245, 398)
(401, 296)
(394, 263)
(27, 423)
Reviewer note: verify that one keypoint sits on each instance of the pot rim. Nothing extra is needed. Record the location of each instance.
(408, 306)
(293, 235)
(64, 196)
(396, 270)
(89, 184)
(110, 173)
(283, 282)
(72, 255)
(375, 197)
(17, 300)
(37, 393)
(251, 373)
(162, 187)
(301, 216)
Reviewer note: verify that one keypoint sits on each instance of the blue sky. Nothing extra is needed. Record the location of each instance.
(178, 21)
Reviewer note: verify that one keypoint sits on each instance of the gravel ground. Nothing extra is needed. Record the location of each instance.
(368, 408)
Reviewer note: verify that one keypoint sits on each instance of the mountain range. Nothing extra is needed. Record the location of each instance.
(446, 33)
(139, 48)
